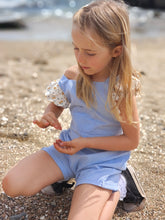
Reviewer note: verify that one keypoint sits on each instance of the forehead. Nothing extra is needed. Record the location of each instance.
(85, 39)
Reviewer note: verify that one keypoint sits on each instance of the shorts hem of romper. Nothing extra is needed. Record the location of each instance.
(111, 188)
(52, 153)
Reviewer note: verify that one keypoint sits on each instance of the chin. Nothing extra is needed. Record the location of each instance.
(88, 72)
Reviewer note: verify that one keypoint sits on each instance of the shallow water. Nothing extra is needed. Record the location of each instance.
(51, 20)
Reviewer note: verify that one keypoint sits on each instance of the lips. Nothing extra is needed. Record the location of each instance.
(85, 67)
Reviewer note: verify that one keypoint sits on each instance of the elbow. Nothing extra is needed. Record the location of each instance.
(134, 144)
(132, 141)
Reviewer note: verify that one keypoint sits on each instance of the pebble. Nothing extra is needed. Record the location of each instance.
(2, 110)
(35, 75)
(18, 217)
(4, 121)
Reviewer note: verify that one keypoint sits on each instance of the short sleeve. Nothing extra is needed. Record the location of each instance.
(117, 92)
(135, 88)
(136, 85)
(55, 94)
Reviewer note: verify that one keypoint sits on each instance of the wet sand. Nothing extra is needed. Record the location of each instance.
(26, 68)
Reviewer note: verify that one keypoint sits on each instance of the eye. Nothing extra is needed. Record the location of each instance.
(91, 54)
(76, 48)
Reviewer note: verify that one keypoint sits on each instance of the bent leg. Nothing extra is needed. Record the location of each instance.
(31, 174)
(110, 206)
(88, 202)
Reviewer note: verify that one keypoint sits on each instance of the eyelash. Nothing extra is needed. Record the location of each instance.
(89, 54)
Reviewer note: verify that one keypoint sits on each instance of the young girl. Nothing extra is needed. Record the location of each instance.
(105, 124)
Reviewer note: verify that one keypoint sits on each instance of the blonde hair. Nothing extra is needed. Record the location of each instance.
(109, 20)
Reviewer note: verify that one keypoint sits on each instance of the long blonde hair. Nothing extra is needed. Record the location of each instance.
(109, 20)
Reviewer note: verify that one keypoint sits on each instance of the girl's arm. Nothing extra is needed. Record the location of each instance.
(52, 111)
(50, 117)
(127, 141)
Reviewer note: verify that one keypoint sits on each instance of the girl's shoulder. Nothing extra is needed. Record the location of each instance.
(60, 90)
(72, 72)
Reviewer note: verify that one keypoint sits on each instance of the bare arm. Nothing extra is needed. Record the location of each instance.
(129, 140)
(53, 108)
(50, 117)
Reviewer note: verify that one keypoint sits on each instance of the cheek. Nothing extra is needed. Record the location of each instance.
(101, 63)
(95, 61)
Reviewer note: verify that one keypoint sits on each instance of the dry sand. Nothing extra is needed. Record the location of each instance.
(26, 68)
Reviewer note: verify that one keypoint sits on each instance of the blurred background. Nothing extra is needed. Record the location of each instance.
(31, 56)
(51, 19)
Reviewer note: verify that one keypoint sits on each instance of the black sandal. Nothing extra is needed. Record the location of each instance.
(135, 199)
(58, 187)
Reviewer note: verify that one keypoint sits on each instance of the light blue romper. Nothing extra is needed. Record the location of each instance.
(90, 166)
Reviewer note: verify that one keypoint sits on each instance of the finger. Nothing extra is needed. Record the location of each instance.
(53, 121)
(66, 143)
(59, 148)
(57, 125)
(35, 121)
(59, 142)
(42, 124)
(65, 150)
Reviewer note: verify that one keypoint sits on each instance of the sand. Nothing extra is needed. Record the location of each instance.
(26, 68)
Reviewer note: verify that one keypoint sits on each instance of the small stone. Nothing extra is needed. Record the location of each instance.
(35, 75)
(4, 119)
(18, 217)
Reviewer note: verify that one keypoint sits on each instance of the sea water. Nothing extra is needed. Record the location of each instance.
(52, 19)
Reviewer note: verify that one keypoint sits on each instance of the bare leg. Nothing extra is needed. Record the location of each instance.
(110, 206)
(88, 202)
(31, 174)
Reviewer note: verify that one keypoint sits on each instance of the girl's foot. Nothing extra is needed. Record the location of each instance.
(135, 199)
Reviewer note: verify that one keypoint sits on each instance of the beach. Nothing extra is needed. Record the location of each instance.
(26, 68)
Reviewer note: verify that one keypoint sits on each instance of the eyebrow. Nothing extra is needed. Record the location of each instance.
(84, 48)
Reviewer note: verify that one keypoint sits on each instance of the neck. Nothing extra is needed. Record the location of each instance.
(96, 78)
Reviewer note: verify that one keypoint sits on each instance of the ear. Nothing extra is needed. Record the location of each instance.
(117, 51)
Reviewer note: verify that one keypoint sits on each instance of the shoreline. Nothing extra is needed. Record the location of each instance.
(144, 24)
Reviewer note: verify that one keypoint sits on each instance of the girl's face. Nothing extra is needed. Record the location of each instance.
(93, 58)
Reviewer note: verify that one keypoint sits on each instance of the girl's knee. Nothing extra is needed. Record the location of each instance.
(88, 200)
(12, 185)
(9, 185)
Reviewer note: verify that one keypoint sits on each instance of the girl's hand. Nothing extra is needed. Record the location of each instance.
(70, 147)
(48, 119)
